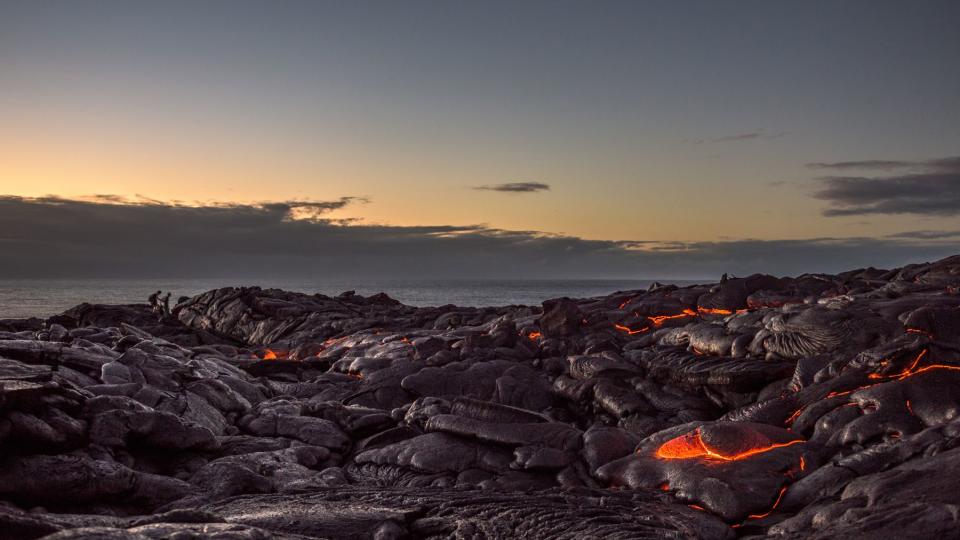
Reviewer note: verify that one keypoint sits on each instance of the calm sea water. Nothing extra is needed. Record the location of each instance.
(41, 298)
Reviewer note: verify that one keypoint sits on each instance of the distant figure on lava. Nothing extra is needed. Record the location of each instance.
(165, 307)
(154, 301)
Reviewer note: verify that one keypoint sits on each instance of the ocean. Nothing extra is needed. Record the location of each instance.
(43, 298)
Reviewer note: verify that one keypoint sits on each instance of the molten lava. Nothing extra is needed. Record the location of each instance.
(912, 370)
(793, 417)
(718, 311)
(658, 320)
(692, 445)
(629, 330)
(774, 507)
(270, 354)
(921, 332)
(533, 336)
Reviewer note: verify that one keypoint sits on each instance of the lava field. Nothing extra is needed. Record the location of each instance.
(817, 406)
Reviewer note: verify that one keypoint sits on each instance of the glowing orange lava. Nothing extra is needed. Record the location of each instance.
(921, 332)
(714, 311)
(629, 331)
(774, 507)
(909, 371)
(718, 311)
(658, 320)
(691, 445)
(270, 354)
(533, 336)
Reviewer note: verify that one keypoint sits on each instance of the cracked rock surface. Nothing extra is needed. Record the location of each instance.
(817, 406)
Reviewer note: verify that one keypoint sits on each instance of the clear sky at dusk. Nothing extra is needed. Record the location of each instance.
(672, 121)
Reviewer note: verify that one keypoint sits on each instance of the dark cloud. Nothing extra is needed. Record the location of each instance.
(929, 187)
(53, 237)
(759, 134)
(516, 187)
(933, 194)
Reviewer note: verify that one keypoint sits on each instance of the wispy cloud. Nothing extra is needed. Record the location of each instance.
(950, 164)
(748, 136)
(515, 187)
(55, 237)
(926, 235)
(930, 187)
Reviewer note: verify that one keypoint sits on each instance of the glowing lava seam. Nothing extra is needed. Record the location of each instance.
(629, 331)
(691, 445)
(658, 320)
(912, 370)
(775, 505)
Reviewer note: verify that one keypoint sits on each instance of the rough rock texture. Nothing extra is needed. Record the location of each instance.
(819, 406)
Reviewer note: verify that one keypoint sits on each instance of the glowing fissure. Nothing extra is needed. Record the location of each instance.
(658, 320)
(719, 311)
(774, 507)
(912, 370)
(533, 336)
(692, 445)
(630, 331)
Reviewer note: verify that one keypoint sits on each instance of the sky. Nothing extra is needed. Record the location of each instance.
(477, 139)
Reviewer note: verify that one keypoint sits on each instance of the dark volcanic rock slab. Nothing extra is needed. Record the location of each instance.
(436, 513)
